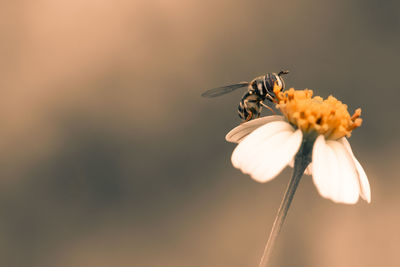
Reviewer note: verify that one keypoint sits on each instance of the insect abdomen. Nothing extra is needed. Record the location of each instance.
(249, 106)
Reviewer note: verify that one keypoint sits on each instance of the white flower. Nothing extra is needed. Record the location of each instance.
(267, 145)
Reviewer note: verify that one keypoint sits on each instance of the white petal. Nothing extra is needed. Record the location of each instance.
(277, 155)
(308, 170)
(246, 149)
(365, 190)
(321, 157)
(334, 171)
(291, 163)
(350, 187)
(238, 133)
(266, 151)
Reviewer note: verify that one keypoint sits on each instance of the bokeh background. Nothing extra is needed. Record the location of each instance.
(110, 157)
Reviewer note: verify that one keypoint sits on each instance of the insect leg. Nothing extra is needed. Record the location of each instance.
(267, 107)
(249, 116)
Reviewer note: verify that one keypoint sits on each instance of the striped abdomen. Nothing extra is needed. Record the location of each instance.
(250, 106)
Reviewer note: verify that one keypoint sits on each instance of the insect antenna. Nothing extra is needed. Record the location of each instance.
(283, 72)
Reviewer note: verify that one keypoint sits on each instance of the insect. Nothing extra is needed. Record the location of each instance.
(258, 90)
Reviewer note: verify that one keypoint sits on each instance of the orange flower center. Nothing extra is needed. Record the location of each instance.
(328, 117)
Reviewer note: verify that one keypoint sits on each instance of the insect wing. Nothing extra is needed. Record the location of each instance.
(223, 90)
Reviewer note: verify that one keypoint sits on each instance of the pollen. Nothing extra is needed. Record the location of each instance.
(314, 114)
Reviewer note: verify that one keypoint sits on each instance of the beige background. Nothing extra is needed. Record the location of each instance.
(110, 157)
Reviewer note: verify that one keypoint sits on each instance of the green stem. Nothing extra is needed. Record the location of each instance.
(302, 160)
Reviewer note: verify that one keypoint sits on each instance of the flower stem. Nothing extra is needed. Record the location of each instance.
(302, 160)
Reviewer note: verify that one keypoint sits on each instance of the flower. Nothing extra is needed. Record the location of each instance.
(268, 144)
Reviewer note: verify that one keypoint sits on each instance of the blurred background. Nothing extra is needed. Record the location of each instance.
(110, 157)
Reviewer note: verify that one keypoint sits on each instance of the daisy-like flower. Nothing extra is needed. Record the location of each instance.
(311, 137)
(314, 132)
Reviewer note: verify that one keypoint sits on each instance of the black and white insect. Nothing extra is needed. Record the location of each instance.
(258, 90)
